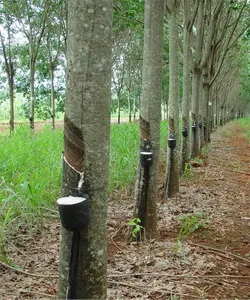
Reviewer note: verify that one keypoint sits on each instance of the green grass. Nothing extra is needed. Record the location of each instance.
(30, 172)
(124, 144)
(244, 125)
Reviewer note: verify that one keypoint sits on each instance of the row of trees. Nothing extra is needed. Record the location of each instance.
(33, 48)
(194, 54)
(214, 49)
(33, 35)
(212, 36)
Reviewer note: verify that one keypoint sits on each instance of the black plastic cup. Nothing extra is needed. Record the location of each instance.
(74, 212)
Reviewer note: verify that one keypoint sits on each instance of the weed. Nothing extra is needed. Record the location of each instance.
(204, 151)
(180, 251)
(136, 227)
(225, 132)
(238, 165)
(31, 169)
(174, 297)
(187, 173)
(191, 223)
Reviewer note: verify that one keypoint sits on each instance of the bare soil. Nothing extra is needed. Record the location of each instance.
(211, 263)
(4, 126)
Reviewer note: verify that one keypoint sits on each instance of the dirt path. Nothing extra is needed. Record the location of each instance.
(211, 263)
(4, 126)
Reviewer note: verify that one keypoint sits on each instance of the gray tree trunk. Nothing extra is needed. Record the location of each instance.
(7, 54)
(52, 96)
(150, 115)
(205, 108)
(172, 176)
(86, 140)
(186, 86)
(32, 91)
(195, 149)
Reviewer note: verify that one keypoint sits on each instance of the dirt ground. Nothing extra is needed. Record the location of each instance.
(210, 263)
(4, 126)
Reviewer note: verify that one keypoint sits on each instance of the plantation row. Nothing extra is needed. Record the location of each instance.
(31, 171)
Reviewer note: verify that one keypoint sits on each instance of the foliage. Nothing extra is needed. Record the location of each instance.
(30, 177)
(128, 14)
(187, 173)
(244, 125)
(191, 223)
(136, 227)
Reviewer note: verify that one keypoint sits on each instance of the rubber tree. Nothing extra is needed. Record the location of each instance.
(196, 85)
(172, 174)
(189, 16)
(225, 40)
(86, 141)
(30, 19)
(54, 45)
(150, 116)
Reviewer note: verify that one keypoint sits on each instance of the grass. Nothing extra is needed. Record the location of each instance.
(124, 143)
(31, 171)
(244, 125)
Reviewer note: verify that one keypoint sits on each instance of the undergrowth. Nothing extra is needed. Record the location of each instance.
(244, 125)
(30, 168)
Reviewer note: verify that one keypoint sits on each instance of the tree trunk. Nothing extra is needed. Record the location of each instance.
(118, 110)
(172, 176)
(150, 116)
(204, 107)
(52, 97)
(195, 149)
(32, 93)
(129, 103)
(86, 141)
(134, 109)
(11, 91)
(186, 87)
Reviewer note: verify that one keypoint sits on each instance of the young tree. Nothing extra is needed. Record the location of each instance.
(172, 176)
(30, 18)
(9, 65)
(54, 43)
(86, 141)
(150, 116)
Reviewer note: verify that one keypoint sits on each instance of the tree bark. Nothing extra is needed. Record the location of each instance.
(32, 92)
(195, 149)
(172, 176)
(86, 140)
(150, 115)
(186, 85)
(52, 95)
